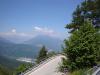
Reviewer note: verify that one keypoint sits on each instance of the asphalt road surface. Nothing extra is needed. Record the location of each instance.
(49, 68)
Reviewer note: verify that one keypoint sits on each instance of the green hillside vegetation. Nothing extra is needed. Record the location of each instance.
(22, 68)
(12, 67)
(9, 63)
(8, 66)
(5, 71)
(13, 50)
(83, 46)
(18, 50)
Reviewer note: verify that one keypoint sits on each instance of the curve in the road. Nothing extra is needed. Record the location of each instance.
(47, 68)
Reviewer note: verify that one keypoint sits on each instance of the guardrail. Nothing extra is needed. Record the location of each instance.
(38, 65)
(92, 70)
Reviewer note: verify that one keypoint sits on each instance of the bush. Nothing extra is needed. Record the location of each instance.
(83, 48)
(79, 72)
(22, 68)
(42, 55)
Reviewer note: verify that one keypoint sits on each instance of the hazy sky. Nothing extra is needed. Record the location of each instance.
(32, 17)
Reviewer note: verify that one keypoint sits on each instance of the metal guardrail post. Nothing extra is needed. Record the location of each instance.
(45, 61)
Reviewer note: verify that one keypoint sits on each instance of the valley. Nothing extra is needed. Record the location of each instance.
(13, 55)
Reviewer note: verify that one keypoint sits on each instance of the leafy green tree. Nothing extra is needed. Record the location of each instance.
(83, 47)
(42, 55)
(22, 68)
(89, 9)
(51, 53)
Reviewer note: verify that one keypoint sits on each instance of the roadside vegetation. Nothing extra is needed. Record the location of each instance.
(5, 71)
(78, 72)
(42, 56)
(22, 68)
(82, 49)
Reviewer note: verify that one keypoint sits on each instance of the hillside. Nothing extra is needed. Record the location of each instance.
(10, 49)
(29, 48)
(4, 71)
(7, 65)
(51, 43)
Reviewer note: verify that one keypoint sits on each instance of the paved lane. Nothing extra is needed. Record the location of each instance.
(49, 68)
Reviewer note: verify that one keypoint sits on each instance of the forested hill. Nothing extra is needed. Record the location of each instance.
(10, 49)
(7, 65)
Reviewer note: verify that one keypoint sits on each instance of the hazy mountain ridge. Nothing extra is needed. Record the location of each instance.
(29, 48)
(10, 51)
(17, 50)
(52, 43)
(9, 63)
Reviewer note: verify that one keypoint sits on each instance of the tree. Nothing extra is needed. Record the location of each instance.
(82, 47)
(22, 68)
(51, 53)
(42, 54)
(89, 9)
(4, 70)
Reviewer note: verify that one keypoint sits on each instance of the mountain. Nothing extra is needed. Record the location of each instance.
(9, 63)
(10, 49)
(3, 41)
(51, 43)
(29, 48)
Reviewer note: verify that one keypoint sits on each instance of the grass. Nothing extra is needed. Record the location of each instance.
(79, 72)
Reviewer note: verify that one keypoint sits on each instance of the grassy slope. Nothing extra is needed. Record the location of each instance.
(5, 71)
(7, 66)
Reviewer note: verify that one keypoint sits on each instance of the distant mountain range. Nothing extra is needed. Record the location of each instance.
(8, 66)
(10, 49)
(51, 43)
(9, 63)
(29, 48)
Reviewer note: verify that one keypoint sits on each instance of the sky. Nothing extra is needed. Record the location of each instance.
(28, 18)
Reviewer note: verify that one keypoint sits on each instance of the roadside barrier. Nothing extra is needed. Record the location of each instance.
(38, 65)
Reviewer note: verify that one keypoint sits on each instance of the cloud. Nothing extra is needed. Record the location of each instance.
(18, 37)
(13, 30)
(44, 30)
(13, 33)
(38, 28)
